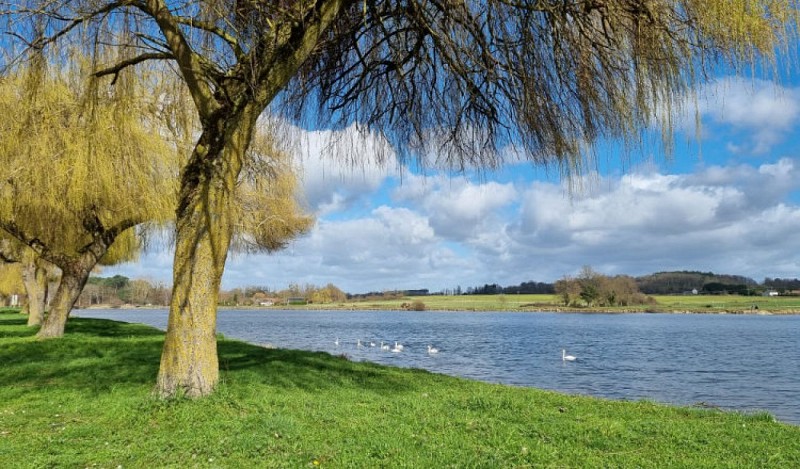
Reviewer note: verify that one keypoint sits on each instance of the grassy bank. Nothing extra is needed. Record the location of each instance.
(85, 401)
(667, 303)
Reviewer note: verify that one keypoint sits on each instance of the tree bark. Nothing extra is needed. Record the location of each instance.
(34, 276)
(73, 279)
(189, 364)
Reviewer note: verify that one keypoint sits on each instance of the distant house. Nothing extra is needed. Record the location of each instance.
(770, 293)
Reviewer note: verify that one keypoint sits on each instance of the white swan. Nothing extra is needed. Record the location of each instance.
(336, 342)
(565, 357)
(397, 348)
(432, 350)
(371, 343)
(358, 344)
(384, 346)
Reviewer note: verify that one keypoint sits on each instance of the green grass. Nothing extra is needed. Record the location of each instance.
(86, 401)
(459, 302)
(700, 303)
(664, 303)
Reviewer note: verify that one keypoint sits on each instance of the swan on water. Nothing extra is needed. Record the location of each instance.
(397, 348)
(565, 357)
(384, 346)
(432, 350)
(336, 342)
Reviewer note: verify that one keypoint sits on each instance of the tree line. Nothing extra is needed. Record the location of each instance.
(589, 287)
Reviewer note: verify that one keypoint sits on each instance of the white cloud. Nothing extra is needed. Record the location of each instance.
(390, 248)
(340, 168)
(713, 220)
(458, 209)
(727, 219)
(760, 113)
(438, 232)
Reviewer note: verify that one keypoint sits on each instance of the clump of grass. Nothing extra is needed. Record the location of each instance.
(86, 401)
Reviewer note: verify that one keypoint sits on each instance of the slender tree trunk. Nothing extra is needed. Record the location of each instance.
(34, 276)
(189, 364)
(73, 279)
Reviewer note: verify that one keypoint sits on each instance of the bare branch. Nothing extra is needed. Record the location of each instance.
(189, 62)
(217, 31)
(117, 68)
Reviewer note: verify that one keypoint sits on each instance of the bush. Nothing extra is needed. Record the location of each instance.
(417, 305)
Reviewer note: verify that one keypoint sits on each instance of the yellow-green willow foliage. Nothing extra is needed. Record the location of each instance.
(10, 281)
(74, 156)
(268, 215)
(82, 166)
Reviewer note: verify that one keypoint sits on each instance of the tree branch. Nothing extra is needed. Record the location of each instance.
(215, 30)
(73, 23)
(189, 62)
(34, 243)
(295, 46)
(117, 68)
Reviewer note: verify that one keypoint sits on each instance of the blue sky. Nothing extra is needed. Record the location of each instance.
(728, 203)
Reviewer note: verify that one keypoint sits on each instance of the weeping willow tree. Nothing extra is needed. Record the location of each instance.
(265, 215)
(81, 168)
(460, 79)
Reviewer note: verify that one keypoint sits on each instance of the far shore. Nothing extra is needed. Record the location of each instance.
(495, 303)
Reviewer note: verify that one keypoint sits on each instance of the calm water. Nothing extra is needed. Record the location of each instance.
(735, 362)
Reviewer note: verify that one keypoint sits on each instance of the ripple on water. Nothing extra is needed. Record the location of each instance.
(725, 361)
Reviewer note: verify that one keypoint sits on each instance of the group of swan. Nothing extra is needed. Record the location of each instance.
(398, 347)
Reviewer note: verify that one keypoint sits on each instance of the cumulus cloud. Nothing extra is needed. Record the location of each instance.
(717, 219)
(433, 231)
(458, 208)
(760, 113)
(713, 220)
(340, 168)
(390, 248)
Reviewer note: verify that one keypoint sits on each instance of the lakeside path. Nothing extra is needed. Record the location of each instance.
(86, 401)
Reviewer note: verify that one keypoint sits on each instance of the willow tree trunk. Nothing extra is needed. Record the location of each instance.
(73, 279)
(34, 276)
(189, 364)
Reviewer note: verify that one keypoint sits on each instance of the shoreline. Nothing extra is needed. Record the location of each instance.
(539, 309)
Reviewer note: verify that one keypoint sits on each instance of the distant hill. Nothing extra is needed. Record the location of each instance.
(670, 283)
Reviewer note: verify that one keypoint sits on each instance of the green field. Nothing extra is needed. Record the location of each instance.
(671, 303)
(86, 401)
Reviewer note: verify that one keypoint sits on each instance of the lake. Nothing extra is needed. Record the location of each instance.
(741, 362)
